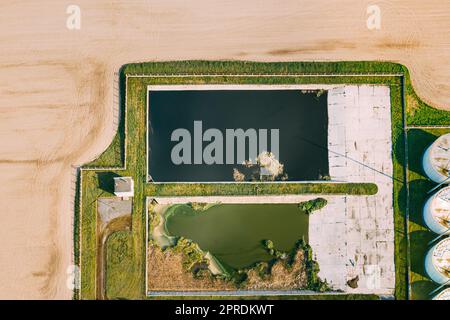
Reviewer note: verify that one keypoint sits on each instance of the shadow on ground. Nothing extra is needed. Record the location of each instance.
(106, 181)
(418, 141)
(418, 194)
(419, 241)
(422, 290)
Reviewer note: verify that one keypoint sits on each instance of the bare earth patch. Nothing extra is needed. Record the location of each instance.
(166, 273)
(281, 277)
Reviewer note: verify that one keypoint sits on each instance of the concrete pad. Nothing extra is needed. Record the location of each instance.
(360, 131)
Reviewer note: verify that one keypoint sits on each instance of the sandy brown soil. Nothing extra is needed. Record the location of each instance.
(56, 96)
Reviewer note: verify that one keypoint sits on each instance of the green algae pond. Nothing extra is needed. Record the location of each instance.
(234, 233)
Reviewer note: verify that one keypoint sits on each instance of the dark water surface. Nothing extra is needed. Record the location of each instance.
(233, 233)
(301, 118)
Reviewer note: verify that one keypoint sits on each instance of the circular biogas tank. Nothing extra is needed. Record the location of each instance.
(437, 262)
(436, 211)
(443, 295)
(436, 160)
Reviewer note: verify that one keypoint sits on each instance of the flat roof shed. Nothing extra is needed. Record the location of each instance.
(124, 187)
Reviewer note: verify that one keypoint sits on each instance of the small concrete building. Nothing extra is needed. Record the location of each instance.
(437, 262)
(436, 160)
(124, 187)
(436, 212)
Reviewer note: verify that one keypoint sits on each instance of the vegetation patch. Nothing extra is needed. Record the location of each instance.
(184, 267)
(120, 266)
(224, 189)
(311, 205)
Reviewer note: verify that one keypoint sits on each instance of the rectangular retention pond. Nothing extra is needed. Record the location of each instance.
(204, 135)
(234, 233)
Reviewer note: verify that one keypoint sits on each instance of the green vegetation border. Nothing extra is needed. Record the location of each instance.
(131, 138)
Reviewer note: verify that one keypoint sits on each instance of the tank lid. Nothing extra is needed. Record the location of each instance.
(440, 207)
(443, 295)
(441, 257)
(440, 154)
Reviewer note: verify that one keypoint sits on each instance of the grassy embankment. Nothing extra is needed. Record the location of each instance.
(95, 183)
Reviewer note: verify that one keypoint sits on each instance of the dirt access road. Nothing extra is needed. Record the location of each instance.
(56, 90)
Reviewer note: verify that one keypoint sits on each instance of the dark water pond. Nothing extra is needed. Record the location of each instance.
(301, 120)
(233, 233)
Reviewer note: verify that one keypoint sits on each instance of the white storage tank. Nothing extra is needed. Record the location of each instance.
(436, 160)
(436, 212)
(443, 295)
(437, 262)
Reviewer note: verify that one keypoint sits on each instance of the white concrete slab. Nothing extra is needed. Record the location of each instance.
(361, 243)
